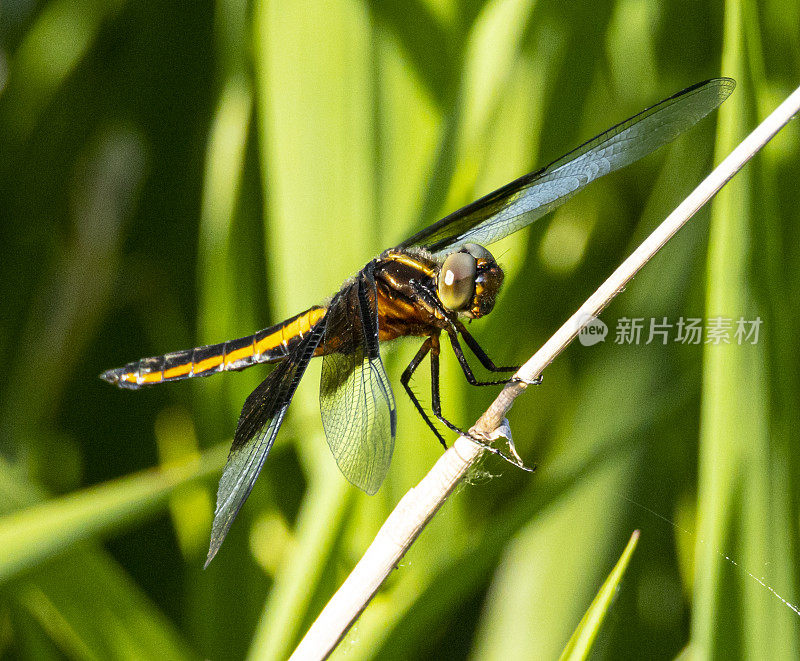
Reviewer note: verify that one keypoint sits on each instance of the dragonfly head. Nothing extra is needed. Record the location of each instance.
(469, 281)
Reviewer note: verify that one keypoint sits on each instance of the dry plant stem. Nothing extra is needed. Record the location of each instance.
(419, 505)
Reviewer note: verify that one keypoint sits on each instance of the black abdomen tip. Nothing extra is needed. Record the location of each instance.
(114, 377)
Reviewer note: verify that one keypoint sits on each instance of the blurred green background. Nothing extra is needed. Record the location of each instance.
(176, 174)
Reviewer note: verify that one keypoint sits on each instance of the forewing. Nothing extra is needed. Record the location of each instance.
(356, 399)
(523, 201)
(261, 417)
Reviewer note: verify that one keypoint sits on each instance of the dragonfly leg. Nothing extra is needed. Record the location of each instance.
(480, 354)
(406, 378)
(437, 411)
(453, 331)
(431, 345)
(462, 360)
(436, 404)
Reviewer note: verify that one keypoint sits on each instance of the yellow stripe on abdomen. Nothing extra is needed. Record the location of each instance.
(297, 327)
(232, 355)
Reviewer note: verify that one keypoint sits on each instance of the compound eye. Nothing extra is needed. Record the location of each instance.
(457, 281)
(477, 251)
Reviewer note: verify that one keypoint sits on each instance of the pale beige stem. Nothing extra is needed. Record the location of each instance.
(419, 505)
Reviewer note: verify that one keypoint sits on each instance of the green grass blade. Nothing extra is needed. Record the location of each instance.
(428, 44)
(91, 609)
(53, 47)
(580, 644)
(66, 308)
(545, 574)
(229, 279)
(81, 600)
(30, 536)
(743, 456)
(315, 106)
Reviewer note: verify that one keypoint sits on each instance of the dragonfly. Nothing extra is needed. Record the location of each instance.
(423, 287)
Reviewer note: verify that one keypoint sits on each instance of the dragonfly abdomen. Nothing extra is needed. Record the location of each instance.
(266, 346)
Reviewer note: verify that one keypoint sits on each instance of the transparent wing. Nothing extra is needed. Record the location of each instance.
(523, 201)
(258, 425)
(356, 399)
